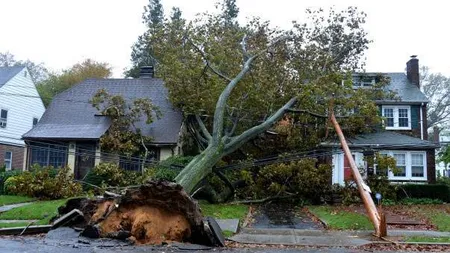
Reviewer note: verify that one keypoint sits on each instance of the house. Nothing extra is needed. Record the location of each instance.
(21, 108)
(70, 129)
(444, 141)
(404, 136)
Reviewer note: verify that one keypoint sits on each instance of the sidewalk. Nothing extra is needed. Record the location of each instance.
(321, 237)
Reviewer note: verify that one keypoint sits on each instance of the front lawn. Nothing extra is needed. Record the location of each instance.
(224, 211)
(42, 211)
(427, 239)
(341, 219)
(438, 215)
(10, 199)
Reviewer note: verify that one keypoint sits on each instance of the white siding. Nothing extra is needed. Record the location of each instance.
(165, 153)
(20, 97)
(338, 166)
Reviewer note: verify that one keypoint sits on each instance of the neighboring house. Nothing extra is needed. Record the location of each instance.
(444, 141)
(20, 109)
(405, 134)
(70, 129)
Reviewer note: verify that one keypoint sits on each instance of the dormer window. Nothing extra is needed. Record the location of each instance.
(363, 81)
(397, 117)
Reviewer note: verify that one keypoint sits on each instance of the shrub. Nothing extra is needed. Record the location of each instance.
(41, 184)
(167, 169)
(430, 191)
(4, 176)
(304, 178)
(111, 175)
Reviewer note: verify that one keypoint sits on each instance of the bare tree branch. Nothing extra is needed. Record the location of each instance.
(203, 127)
(250, 133)
(244, 47)
(217, 72)
(221, 102)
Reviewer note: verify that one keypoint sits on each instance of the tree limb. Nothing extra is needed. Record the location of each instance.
(252, 132)
(221, 102)
(217, 72)
(244, 47)
(203, 127)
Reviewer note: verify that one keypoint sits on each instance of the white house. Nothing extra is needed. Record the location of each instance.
(444, 140)
(21, 108)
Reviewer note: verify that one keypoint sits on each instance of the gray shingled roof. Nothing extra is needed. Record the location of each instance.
(7, 73)
(407, 91)
(386, 139)
(404, 89)
(71, 115)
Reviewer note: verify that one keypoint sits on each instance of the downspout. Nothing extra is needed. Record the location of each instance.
(421, 121)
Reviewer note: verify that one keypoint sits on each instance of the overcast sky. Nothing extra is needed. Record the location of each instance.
(61, 33)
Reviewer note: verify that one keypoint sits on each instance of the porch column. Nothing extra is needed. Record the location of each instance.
(71, 156)
(25, 158)
(98, 154)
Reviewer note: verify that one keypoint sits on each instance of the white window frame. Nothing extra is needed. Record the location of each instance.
(395, 110)
(408, 161)
(4, 121)
(8, 160)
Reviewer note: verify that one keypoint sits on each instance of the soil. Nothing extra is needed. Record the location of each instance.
(154, 213)
(148, 225)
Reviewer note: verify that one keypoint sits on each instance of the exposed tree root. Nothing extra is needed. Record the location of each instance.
(154, 213)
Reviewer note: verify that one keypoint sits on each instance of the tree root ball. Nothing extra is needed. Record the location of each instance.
(153, 213)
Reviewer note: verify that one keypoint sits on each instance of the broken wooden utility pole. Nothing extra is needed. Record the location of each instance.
(378, 221)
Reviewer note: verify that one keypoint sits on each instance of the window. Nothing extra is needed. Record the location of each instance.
(400, 170)
(48, 155)
(417, 165)
(389, 115)
(3, 118)
(363, 81)
(397, 117)
(410, 165)
(35, 121)
(8, 160)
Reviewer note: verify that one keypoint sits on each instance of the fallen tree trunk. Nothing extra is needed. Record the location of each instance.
(153, 213)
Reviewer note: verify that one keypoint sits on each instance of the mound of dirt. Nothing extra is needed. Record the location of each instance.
(153, 213)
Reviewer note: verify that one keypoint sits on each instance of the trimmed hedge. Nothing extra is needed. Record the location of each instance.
(430, 191)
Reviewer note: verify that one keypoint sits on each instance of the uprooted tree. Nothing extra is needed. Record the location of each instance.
(236, 81)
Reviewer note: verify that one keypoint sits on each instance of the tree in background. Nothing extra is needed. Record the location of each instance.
(237, 81)
(437, 89)
(142, 51)
(37, 71)
(59, 82)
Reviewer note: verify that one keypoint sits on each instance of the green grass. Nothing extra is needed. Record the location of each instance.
(40, 210)
(224, 211)
(10, 199)
(227, 233)
(439, 219)
(341, 219)
(427, 239)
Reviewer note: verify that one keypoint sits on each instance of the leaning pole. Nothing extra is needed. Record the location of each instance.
(378, 220)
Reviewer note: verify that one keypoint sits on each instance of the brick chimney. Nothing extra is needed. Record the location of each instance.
(412, 70)
(147, 72)
(436, 135)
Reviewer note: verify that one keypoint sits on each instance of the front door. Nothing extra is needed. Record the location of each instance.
(347, 169)
(85, 159)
